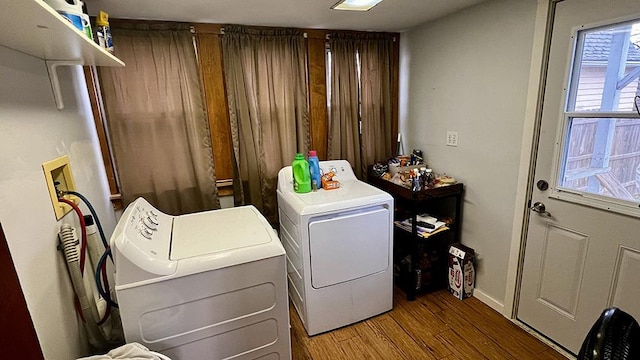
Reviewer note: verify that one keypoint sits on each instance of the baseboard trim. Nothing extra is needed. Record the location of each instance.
(489, 301)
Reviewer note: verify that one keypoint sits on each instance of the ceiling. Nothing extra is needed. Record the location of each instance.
(389, 15)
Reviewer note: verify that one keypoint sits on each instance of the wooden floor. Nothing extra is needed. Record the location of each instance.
(434, 326)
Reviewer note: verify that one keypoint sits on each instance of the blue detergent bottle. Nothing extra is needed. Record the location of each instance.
(314, 169)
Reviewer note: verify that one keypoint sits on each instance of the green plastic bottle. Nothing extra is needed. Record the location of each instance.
(301, 175)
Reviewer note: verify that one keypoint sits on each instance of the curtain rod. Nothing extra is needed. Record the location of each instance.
(327, 36)
(222, 31)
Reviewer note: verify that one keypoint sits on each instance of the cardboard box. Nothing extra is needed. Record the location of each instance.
(462, 275)
(330, 184)
(329, 181)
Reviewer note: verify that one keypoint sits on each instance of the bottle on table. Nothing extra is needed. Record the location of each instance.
(314, 170)
(301, 175)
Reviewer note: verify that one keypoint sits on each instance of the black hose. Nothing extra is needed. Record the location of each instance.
(101, 290)
(95, 217)
(107, 251)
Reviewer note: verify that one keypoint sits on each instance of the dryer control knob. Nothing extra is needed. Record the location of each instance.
(150, 224)
(145, 234)
(152, 218)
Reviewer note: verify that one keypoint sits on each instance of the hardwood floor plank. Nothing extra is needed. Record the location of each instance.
(472, 335)
(551, 355)
(357, 348)
(422, 313)
(326, 348)
(299, 349)
(432, 302)
(375, 340)
(386, 325)
(299, 337)
(459, 346)
(495, 326)
(421, 334)
(345, 333)
(434, 326)
(451, 357)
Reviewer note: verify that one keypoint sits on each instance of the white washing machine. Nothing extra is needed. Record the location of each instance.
(339, 246)
(209, 285)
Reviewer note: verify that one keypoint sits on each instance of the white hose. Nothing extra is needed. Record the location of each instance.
(94, 250)
(88, 307)
(69, 241)
(111, 327)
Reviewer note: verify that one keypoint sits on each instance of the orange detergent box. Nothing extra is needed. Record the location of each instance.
(327, 181)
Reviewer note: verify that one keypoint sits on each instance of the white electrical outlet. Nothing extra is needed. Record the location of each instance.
(452, 138)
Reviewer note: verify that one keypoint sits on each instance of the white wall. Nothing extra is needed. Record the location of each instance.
(32, 131)
(469, 72)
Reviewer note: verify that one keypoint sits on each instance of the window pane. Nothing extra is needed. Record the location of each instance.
(607, 69)
(328, 71)
(603, 157)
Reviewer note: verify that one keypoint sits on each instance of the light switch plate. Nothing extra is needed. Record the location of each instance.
(452, 138)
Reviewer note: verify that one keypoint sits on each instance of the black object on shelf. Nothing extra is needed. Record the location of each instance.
(420, 260)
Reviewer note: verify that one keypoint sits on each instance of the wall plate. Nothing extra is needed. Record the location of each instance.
(57, 173)
(452, 138)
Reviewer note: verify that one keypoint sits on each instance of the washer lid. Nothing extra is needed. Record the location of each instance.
(222, 231)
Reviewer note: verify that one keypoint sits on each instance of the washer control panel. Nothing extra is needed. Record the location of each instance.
(146, 221)
(143, 236)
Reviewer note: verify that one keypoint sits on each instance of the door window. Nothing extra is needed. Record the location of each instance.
(600, 161)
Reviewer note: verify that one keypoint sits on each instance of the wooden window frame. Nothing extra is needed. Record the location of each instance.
(97, 108)
(209, 53)
(207, 40)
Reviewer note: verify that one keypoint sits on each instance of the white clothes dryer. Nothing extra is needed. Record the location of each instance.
(209, 285)
(339, 246)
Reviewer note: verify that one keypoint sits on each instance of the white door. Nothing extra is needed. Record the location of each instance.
(582, 252)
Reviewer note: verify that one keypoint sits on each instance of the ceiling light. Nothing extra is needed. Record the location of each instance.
(355, 5)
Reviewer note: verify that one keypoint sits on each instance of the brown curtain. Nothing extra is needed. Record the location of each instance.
(361, 78)
(156, 119)
(344, 118)
(265, 74)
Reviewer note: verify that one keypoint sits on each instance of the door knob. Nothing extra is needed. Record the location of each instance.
(541, 209)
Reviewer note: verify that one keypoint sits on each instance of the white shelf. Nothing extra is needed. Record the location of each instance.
(33, 27)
